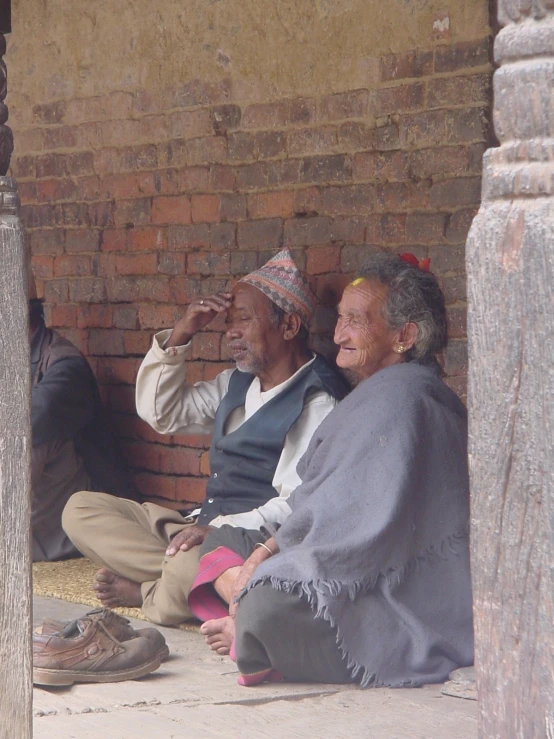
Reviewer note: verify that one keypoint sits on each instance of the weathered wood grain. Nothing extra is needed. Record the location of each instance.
(15, 485)
(510, 264)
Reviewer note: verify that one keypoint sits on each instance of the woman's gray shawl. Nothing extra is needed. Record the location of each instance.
(378, 535)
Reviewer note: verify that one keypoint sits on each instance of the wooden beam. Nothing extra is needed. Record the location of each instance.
(510, 265)
(15, 483)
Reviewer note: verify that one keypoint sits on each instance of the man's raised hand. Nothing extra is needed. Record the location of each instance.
(198, 314)
(186, 539)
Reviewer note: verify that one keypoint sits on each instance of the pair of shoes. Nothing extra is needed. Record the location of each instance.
(99, 647)
(117, 625)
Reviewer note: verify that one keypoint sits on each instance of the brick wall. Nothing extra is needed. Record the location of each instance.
(136, 202)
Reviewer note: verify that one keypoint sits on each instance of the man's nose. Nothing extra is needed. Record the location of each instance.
(340, 333)
(232, 332)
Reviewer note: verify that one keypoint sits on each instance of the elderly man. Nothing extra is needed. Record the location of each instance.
(72, 444)
(262, 417)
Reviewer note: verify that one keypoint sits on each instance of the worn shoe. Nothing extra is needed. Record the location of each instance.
(117, 625)
(85, 651)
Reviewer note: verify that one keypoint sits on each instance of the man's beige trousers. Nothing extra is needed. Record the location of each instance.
(130, 539)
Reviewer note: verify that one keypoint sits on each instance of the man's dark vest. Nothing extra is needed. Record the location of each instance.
(243, 463)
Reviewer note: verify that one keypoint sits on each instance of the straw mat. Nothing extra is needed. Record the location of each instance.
(72, 580)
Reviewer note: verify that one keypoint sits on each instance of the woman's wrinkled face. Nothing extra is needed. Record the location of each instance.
(366, 343)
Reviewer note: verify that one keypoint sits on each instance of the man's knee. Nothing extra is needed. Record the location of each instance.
(77, 509)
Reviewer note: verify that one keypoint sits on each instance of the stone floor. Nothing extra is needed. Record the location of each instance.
(194, 694)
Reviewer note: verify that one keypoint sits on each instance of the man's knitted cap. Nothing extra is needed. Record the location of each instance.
(284, 284)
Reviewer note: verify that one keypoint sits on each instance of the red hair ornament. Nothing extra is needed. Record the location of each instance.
(424, 265)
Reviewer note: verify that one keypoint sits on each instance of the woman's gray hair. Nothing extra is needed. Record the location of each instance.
(414, 297)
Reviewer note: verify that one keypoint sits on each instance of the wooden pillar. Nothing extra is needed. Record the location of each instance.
(15, 445)
(510, 264)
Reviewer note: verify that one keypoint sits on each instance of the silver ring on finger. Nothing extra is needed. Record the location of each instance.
(201, 302)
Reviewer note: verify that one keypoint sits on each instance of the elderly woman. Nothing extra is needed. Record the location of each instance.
(368, 579)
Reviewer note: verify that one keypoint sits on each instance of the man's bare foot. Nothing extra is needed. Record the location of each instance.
(219, 634)
(115, 591)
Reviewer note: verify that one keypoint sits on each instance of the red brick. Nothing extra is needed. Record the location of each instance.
(446, 260)
(393, 228)
(400, 99)
(450, 91)
(43, 266)
(223, 236)
(205, 208)
(307, 231)
(454, 288)
(129, 213)
(423, 129)
(132, 289)
(172, 153)
(188, 236)
(190, 124)
(127, 186)
(171, 209)
(425, 228)
(48, 242)
(330, 288)
(307, 201)
(456, 192)
(438, 160)
(243, 262)
(194, 178)
(466, 126)
(114, 240)
(302, 110)
(101, 215)
(71, 266)
(206, 150)
(172, 263)
(253, 176)
(348, 228)
(233, 207)
(266, 115)
(103, 265)
(156, 486)
(25, 166)
(143, 456)
(334, 168)
(63, 165)
(404, 66)
(90, 187)
(126, 159)
(255, 234)
(456, 361)
(387, 137)
(54, 190)
(31, 140)
(352, 199)
(137, 343)
(208, 263)
(354, 136)
(241, 147)
(271, 204)
(205, 345)
(225, 118)
(137, 264)
(106, 341)
(463, 55)
(458, 225)
(354, 257)
(147, 239)
(190, 490)
(56, 291)
(166, 181)
(352, 104)
(27, 192)
(180, 461)
(63, 315)
(63, 137)
(152, 128)
(306, 141)
(205, 463)
(82, 240)
(50, 112)
(211, 370)
(94, 316)
(125, 316)
(268, 144)
(322, 259)
(158, 317)
(401, 196)
(221, 177)
(197, 92)
(87, 290)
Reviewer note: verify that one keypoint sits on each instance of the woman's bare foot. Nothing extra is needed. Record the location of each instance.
(219, 634)
(115, 591)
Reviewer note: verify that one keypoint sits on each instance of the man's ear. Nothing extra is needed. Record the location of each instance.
(291, 325)
(407, 335)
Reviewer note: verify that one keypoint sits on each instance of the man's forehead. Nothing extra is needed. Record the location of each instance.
(247, 296)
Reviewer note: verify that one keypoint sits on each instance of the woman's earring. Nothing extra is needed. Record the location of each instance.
(400, 349)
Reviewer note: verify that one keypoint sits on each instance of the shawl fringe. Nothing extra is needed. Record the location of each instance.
(333, 588)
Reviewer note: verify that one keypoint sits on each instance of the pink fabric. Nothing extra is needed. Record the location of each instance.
(257, 678)
(203, 601)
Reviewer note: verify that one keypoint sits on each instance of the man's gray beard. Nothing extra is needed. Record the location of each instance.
(251, 365)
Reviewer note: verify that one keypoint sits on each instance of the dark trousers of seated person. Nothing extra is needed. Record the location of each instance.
(276, 630)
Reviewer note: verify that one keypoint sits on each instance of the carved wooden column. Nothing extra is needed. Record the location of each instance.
(15, 445)
(510, 264)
